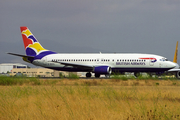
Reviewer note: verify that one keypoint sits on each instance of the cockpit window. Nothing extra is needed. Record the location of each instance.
(164, 59)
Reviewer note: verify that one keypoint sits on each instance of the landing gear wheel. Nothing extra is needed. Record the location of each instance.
(88, 75)
(97, 75)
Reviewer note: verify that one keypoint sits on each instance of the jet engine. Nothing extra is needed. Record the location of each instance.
(102, 70)
(177, 74)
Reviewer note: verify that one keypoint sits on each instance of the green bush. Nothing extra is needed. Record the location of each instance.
(61, 75)
(73, 76)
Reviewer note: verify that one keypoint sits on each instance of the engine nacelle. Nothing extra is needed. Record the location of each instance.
(102, 70)
(177, 74)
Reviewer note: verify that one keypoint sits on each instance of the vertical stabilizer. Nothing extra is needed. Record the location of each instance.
(176, 53)
(31, 45)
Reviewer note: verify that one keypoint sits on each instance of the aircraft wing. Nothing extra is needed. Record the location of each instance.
(76, 65)
(21, 55)
(173, 70)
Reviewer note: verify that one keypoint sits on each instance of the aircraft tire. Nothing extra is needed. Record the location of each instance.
(97, 75)
(88, 75)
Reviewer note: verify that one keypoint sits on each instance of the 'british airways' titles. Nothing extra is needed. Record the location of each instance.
(130, 63)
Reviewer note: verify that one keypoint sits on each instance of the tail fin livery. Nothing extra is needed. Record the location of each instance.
(31, 45)
(176, 53)
(33, 48)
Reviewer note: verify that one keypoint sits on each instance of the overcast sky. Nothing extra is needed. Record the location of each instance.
(73, 26)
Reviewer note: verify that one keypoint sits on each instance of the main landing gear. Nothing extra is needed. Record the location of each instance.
(97, 75)
(88, 75)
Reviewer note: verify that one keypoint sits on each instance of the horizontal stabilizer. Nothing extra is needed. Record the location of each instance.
(21, 55)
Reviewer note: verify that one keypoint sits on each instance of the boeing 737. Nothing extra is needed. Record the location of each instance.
(100, 63)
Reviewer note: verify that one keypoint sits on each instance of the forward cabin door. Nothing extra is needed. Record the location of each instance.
(151, 61)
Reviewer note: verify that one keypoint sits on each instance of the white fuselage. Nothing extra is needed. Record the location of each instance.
(118, 62)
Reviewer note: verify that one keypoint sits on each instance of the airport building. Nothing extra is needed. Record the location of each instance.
(38, 72)
(35, 72)
(7, 67)
(17, 69)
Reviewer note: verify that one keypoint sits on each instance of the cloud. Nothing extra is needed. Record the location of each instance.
(148, 26)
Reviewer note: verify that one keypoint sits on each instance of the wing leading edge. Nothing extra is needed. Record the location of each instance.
(90, 67)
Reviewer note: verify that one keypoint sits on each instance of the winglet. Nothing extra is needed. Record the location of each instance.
(176, 53)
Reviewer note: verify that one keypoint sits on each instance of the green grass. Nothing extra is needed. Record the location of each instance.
(73, 76)
(4, 80)
(118, 77)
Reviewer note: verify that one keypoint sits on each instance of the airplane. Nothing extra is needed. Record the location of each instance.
(98, 63)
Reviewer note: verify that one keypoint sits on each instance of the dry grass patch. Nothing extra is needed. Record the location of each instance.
(89, 102)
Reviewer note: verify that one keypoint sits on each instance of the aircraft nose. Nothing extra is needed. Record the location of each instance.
(176, 66)
(171, 65)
